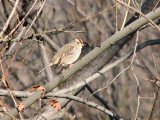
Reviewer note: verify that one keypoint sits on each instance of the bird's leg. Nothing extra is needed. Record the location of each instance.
(70, 65)
(67, 67)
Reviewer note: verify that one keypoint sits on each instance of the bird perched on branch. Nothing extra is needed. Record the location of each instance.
(67, 54)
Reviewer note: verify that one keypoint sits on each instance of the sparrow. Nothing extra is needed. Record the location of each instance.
(67, 54)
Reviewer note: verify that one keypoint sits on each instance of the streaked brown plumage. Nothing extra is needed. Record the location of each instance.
(67, 54)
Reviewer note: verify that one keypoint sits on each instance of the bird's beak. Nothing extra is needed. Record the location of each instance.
(82, 44)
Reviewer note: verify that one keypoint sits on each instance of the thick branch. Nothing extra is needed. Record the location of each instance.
(24, 94)
(93, 61)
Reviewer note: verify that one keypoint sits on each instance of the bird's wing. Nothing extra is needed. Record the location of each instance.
(68, 51)
(62, 52)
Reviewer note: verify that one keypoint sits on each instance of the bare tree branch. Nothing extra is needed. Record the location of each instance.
(91, 104)
(90, 57)
(24, 94)
(9, 19)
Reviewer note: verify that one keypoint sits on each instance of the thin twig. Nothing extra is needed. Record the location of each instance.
(9, 19)
(91, 104)
(9, 89)
(39, 11)
(126, 14)
(79, 65)
(91, 78)
(22, 21)
(150, 21)
(131, 64)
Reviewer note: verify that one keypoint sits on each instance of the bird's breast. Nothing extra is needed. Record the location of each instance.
(72, 56)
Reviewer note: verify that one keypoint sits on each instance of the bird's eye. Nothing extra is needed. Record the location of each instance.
(77, 41)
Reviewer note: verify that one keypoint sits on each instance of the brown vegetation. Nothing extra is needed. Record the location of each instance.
(32, 31)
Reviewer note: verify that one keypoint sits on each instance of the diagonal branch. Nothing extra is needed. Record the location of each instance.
(23, 94)
(91, 104)
(92, 62)
(9, 19)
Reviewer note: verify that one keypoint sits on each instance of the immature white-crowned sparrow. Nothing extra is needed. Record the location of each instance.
(67, 54)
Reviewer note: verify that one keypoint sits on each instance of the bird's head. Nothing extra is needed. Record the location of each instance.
(78, 42)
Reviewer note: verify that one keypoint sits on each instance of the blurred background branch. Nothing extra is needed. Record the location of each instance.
(57, 23)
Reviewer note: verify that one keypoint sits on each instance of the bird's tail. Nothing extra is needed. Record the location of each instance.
(50, 64)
